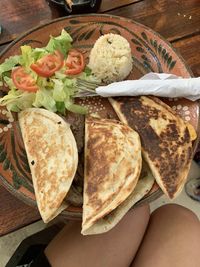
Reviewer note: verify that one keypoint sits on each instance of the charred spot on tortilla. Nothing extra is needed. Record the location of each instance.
(32, 162)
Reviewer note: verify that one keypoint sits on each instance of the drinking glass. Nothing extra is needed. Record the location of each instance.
(79, 6)
(192, 188)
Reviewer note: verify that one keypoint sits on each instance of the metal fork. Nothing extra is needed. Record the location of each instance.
(86, 88)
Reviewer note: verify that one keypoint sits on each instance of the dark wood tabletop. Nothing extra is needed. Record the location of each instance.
(176, 20)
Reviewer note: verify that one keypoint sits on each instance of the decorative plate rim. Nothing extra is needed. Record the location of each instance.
(98, 15)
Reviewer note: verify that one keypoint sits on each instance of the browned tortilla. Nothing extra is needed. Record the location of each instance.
(52, 155)
(165, 138)
(112, 167)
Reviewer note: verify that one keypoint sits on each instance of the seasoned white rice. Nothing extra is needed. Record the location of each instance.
(110, 59)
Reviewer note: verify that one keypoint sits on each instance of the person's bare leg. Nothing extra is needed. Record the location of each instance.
(172, 239)
(115, 248)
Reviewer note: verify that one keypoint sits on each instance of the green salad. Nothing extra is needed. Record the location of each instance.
(44, 77)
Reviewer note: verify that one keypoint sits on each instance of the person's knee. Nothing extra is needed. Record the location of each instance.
(176, 211)
(140, 212)
(146, 210)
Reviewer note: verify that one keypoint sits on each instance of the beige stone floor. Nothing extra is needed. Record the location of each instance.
(10, 242)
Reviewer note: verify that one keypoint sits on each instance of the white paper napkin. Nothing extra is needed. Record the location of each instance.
(157, 84)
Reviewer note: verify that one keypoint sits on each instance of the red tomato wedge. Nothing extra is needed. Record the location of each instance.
(23, 80)
(48, 65)
(75, 62)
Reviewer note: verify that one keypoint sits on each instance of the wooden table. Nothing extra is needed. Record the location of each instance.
(177, 20)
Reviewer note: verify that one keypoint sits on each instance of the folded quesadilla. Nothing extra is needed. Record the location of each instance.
(52, 156)
(109, 221)
(166, 139)
(112, 167)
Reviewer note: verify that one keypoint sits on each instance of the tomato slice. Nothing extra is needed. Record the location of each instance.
(48, 65)
(75, 62)
(23, 80)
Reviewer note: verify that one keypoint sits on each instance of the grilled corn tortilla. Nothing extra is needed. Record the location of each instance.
(109, 221)
(52, 156)
(166, 139)
(112, 167)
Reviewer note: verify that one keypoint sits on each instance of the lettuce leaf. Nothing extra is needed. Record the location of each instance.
(9, 82)
(59, 94)
(60, 107)
(17, 100)
(61, 43)
(69, 105)
(9, 64)
(27, 58)
(44, 98)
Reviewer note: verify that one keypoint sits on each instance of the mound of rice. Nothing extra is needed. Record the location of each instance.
(110, 59)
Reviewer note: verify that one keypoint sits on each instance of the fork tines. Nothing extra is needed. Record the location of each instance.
(86, 88)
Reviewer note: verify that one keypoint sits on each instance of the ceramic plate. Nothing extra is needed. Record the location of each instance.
(150, 53)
